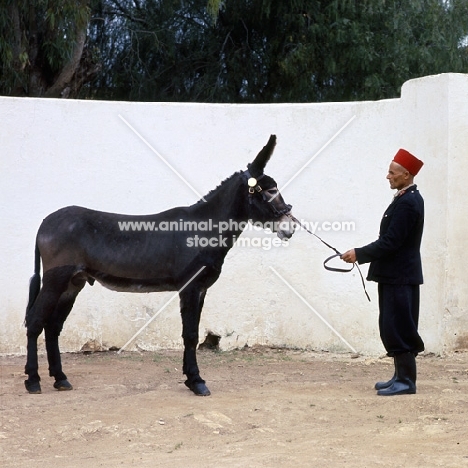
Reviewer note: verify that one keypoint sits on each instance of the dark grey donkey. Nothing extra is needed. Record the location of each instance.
(79, 246)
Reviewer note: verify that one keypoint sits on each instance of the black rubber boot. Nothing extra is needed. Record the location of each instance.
(405, 382)
(382, 385)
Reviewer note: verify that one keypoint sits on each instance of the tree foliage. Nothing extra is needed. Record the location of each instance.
(235, 50)
(43, 47)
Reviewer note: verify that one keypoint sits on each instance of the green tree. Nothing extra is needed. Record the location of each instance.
(159, 51)
(228, 51)
(270, 51)
(43, 47)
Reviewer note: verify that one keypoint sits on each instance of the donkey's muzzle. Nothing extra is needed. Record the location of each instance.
(286, 227)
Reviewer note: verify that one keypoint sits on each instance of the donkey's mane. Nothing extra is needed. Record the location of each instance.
(256, 167)
(214, 191)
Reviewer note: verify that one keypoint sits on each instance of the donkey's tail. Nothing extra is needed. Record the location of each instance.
(34, 282)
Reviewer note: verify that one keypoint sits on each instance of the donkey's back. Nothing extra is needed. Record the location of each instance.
(117, 250)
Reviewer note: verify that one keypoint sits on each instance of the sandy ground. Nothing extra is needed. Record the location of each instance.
(268, 408)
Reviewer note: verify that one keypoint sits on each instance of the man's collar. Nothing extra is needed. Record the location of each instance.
(403, 190)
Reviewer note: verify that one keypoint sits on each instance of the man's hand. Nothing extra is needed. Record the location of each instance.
(349, 256)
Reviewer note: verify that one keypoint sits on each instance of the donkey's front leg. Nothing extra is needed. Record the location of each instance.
(191, 303)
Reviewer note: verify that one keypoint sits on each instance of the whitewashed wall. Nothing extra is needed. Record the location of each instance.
(55, 153)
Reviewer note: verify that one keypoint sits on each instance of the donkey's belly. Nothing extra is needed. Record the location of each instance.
(138, 285)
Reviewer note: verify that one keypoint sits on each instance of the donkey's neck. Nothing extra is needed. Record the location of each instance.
(226, 207)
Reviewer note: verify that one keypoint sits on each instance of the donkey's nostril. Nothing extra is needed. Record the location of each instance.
(284, 234)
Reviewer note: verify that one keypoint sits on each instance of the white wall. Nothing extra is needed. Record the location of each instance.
(55, 153)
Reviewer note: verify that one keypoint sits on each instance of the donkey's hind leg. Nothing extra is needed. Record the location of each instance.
(55, 283)
(52, 329)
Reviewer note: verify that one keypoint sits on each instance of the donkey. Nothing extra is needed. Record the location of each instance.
(79, 246)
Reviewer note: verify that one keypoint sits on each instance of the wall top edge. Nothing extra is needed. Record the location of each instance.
(71, 102)
(185, 104)
(432, 80)
(406, 87)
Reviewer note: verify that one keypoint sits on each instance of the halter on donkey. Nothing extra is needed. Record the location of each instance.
(79, 246)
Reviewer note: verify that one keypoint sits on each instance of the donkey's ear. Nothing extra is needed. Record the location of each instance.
(257, 167)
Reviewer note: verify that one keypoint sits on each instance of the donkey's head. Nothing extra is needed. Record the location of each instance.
(266, 205)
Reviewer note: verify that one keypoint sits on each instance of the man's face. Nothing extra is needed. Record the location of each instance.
(398, 176)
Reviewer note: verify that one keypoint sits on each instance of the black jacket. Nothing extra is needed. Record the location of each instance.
(395, 256)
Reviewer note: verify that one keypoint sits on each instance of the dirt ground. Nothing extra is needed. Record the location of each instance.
(268, 408)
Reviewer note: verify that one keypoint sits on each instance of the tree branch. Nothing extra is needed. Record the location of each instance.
(16, 27)
(66, 75)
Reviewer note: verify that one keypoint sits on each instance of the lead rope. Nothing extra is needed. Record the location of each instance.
(337, 254)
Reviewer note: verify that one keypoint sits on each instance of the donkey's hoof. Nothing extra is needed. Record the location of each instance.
(199, 388)
(63, 385)
(33, 387)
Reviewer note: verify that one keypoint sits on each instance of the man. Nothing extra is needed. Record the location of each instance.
(395, 264)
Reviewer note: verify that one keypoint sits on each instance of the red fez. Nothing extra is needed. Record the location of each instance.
(411, 163)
